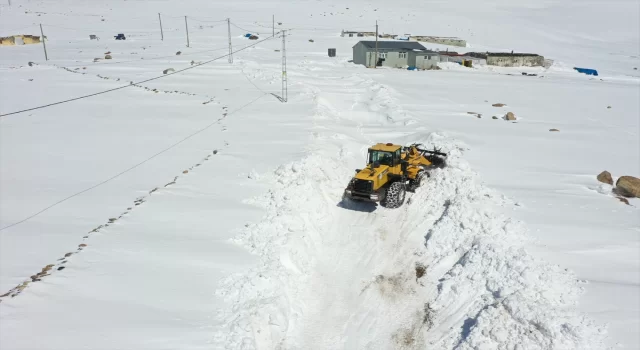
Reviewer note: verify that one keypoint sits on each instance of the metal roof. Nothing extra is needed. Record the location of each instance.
(391, 45)
(386, 147)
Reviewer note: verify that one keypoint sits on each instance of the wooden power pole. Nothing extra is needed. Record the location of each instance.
(161, 32)
(46, 58)
(186, 26)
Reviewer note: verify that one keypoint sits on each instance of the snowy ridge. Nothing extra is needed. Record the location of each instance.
(481, 290)
(496, 295)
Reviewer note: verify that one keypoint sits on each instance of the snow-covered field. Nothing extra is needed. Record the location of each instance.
(197, 211)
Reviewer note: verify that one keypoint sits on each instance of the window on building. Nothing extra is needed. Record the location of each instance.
(402, 55)
(382, 55)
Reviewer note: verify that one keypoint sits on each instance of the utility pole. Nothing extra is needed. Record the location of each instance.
(230, 48)
(46, 58)
(161, 33)
(284, 68)
(375, 65)
(187, 27)
(273, 25)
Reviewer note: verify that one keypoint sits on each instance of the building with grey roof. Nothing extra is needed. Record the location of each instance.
(397, 54)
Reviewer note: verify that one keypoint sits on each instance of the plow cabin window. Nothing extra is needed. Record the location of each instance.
(381, 157)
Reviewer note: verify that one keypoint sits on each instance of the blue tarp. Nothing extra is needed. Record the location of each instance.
(411, 68)
(247, 35)
(587, 71)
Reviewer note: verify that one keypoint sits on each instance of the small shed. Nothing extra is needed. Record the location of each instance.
(7, 40)
(444, 40)
(31, 39)
(426, 59)
(352, 33)
(510, 59)
(22, 39)
(464, 60)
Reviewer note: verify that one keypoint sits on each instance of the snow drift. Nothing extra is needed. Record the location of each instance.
(349, 276)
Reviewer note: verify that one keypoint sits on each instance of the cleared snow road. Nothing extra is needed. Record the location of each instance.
(347, 275)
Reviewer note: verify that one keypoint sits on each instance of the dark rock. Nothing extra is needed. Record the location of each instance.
(605, 177)
(628, 186)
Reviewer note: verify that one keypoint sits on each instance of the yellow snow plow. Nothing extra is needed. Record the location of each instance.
(391, 171)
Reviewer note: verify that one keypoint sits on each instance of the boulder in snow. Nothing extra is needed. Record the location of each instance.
(554, 130)
(178, 53)
(510, 116)
(605, 177)
(498, 105)
(628, 186)
(168, 70)
(108, 57)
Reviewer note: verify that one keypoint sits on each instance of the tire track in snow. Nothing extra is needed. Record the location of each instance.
(78, 71)
(61, 262)
(60, 265)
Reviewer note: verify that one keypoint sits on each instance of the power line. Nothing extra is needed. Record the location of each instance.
(96, 30)
(198, 20)
(136, 83)
(17, 29)
(133, 167)
(252, 83)
(246, 30)
(143, 59)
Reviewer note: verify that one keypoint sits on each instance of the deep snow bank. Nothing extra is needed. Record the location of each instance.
(344, 277)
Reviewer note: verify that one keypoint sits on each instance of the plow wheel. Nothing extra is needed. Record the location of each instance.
(417, 182)
(395, 195)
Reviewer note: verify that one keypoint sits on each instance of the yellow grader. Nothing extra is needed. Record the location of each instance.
(391, 171)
